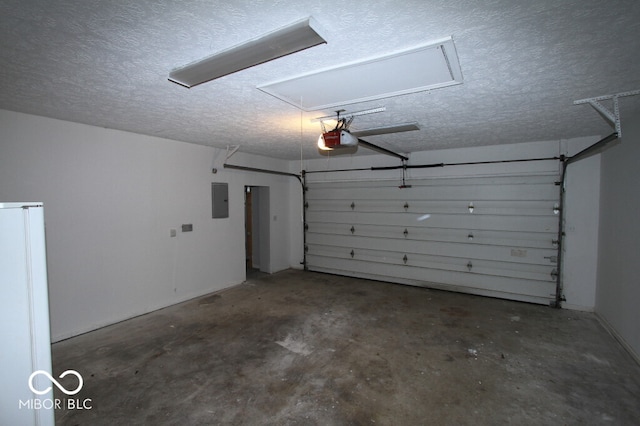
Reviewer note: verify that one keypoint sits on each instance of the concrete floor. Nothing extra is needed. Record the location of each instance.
(301, 348)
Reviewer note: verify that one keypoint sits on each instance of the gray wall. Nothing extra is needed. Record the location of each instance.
(618, 284)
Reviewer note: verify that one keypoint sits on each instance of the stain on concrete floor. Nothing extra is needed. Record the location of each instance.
(301, 348)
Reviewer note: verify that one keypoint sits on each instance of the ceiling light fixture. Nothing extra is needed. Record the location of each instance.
(428, 66)
(293, 38)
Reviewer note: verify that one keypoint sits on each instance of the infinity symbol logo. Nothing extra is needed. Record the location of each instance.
(55, 382)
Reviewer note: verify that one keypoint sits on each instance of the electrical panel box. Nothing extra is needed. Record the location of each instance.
(219, 200)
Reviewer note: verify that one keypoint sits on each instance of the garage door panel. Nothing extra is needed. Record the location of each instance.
(422, 207)
(500, 238)
(433, 193)
(492, 234)
(527, 290)
(538, 272)
(460, 250)
(443, 182)
(451, 221)
(541, 273)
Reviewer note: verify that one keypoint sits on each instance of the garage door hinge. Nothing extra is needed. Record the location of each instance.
(552, 259)
(306, 204)
(556, 208)
(353, 205)
(405, 232)
(555, 243)
(554, 274)
(352, 229)
(405, 259)
(470, 207)
(406, 206)
(306, 226)
(469, 266)
(352, 254)
(306, 249)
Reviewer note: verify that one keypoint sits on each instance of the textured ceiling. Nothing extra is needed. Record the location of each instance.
(106, 63)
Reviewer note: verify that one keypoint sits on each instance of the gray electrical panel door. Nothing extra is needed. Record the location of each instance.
(489, 235)
(220, 200)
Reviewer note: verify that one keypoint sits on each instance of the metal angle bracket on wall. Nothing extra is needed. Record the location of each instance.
(613, 117)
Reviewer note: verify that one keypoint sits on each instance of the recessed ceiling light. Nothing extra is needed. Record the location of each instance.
(290, 39)
(425, 67)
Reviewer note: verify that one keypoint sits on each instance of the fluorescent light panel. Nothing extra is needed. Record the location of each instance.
(425, 67)
(290, 39)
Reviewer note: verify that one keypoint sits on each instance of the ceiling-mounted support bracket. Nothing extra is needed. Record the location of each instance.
(613, 117)
(234, 149)
(349, 115)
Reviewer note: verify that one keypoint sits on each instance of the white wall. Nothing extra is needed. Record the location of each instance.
(111, 198)
(582, 212)
(618, 291)
(581, 215)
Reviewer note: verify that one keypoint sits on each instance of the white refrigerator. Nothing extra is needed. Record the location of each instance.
(24, 317)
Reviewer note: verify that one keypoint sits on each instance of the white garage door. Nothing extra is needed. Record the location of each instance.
(493, 235)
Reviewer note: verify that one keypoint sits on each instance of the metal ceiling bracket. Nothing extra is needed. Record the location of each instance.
(234, 149)
(613, 117)
(350, 115)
